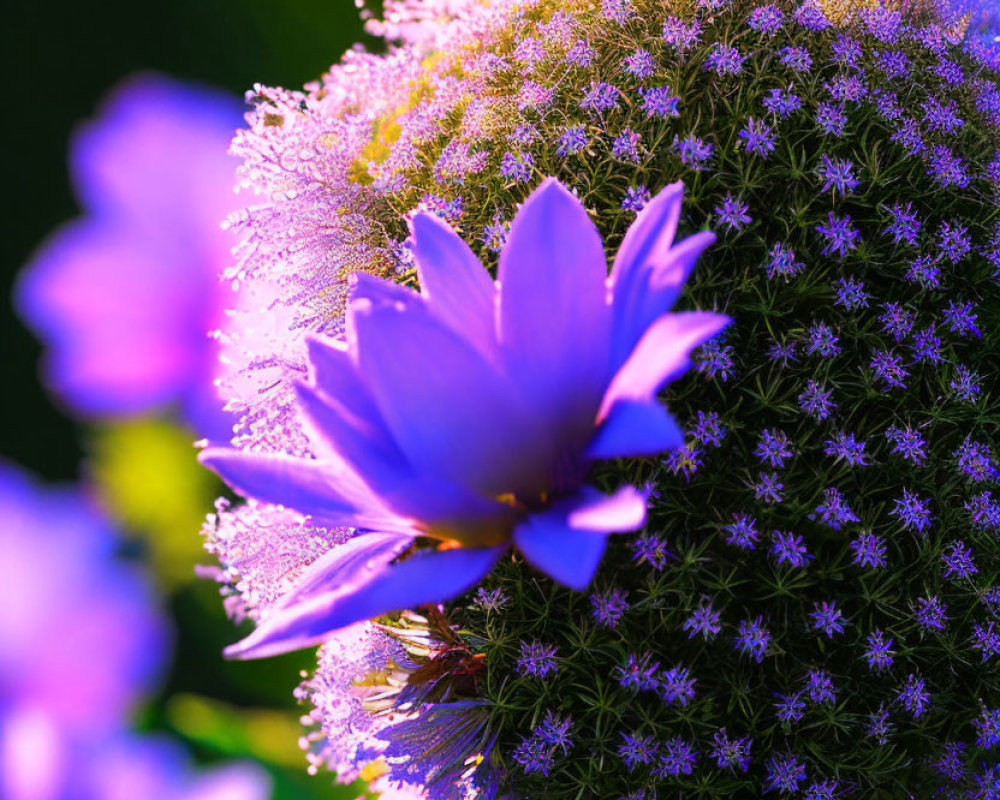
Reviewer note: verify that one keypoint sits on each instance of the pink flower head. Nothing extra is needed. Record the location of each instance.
(471, 412)
(125, 295)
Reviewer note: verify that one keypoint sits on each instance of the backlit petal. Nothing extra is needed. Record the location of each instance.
(636, 428)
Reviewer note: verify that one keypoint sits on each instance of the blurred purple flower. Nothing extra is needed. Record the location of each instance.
(566, 363)
(124, 296)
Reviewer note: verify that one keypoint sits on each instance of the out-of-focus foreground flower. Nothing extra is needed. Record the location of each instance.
(470, 413)
(125, 296)
(81, 642)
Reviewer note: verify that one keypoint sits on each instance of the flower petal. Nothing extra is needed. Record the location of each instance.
(567, 541)
(650, 235)
(451, 412)
(554, 315)
(663, 353)
(653, 290)
(634, 428)
(455, 283)
(309, 487)
(428, 577)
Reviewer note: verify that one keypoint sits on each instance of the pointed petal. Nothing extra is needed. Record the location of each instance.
(654, 288)
(554, 315)
(455, 283)
(634, 428)
(651, 234)
(428, 577)
(335, 373)
(568, 541)
(450, 411)
(663, 353)
(308, 487)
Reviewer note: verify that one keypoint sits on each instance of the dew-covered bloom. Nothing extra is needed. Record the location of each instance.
(733, 213)
(869, 550)
(704, 622)
(124, 297)
(563, 391)
(753, 638)
(913, 511)
(837, 175)
(758, 137)
(790, 548)
(841, 236)
(826, 617)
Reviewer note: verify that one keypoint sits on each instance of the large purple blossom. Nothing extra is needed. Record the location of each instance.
(395, 413)
(125, 296)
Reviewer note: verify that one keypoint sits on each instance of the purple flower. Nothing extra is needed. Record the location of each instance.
(517, 167)
(537, 660)
(733, 213)
(600, 97)
(849, 88)
(396, 412)
(947, 168)
(987, 728)
(834, 510)
(752, 639)
(986, 639)
(649, 548)
(888, 367)
(924, 272)
(684, 460)
(954, 241)
(942, 116)
(914, 695)
(790, 708)
(961, 319)
(840, 235)
(784, 773)
(743, 531)
(572, 141)
(766, 19)
(619, 11)
(879, 652)
(831, 119)
(758, 137)
(638, 673)
(676, 686)
(951, 763)
(810, 16)
(908, 443)
(869, 550)
(769, 488)
(659, 102)
(909, 136)
(774, 448)
(782, 103)
(492, 600)
(905, 226)
(781, 262)
(124, 297)
(796, 58)
(782, 352)
(851, 293)
(821, 340)
(913, 512)
(729, 753)
(626, 146)
(725, 60)
(704, 622)
(985, 512)
(609, 607)
(815, 401)
(897, 321)
(715, 359)
(958, 561)
(836, 175)
(635, 198)
(636, 749)
(927, 346)
(827, 618)
(975, 461)
(677, 758)
(709, 430)
(819, 684)
(847, 50)
(931, 613)
(965, 384)
(879, 727)
(681, 35)
(694, 152)
(788, 548)
(887, 104)
(641, 64)
(845, 447)
(821, 790)
(893, 63)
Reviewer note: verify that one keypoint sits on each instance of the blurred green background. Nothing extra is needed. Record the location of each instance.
(59, 59)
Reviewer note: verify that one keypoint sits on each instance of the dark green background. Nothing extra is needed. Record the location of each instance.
(58, 62)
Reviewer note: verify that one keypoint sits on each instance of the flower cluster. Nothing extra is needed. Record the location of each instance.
(821, 545)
